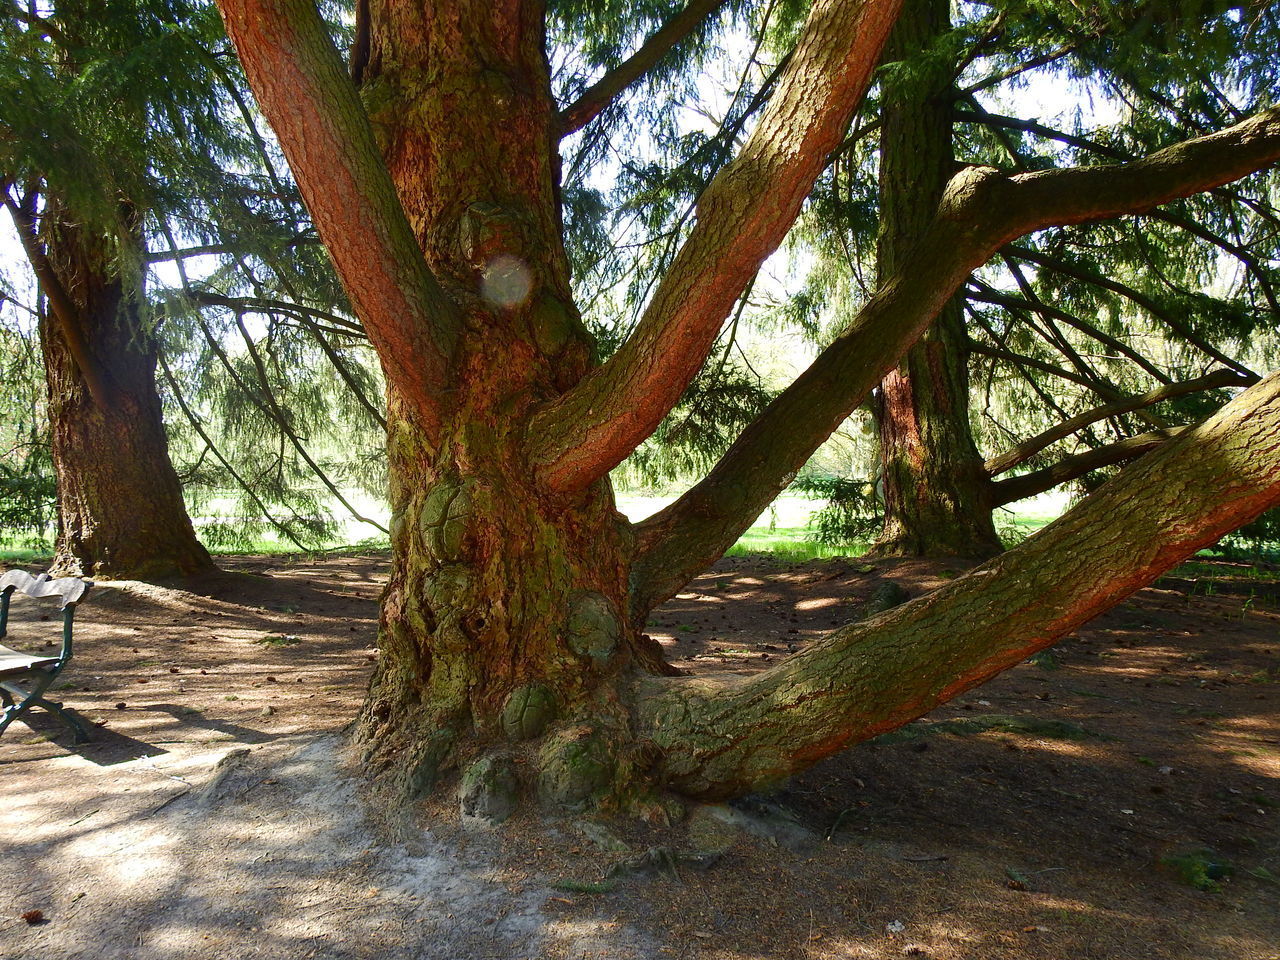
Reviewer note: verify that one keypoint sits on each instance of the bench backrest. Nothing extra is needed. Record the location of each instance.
(70, 590)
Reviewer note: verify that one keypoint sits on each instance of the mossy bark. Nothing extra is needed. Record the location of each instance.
(717, 740)
(935, 489)
(503, 624)
(120, 506)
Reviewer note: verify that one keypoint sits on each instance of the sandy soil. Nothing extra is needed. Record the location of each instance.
(1050, 814)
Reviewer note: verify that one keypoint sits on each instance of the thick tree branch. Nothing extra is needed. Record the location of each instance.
(311, 103)
(1047, 198)
(1029, 448)
(981, 212)
(600, 94)
(1078, 464)
(742, 217)
(722, 739)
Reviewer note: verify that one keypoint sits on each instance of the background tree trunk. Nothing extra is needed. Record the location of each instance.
(120, 506)
(935, 489)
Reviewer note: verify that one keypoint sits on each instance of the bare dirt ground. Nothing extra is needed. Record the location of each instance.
(1065, 810)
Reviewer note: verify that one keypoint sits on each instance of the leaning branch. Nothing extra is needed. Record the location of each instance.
(742, 217)
(600, 94)
(717, 740)
(322, 127)
(981, 211)
(1082, 194)
(61, 306)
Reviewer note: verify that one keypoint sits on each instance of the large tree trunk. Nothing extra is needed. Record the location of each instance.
(503, 617)
(507, 647)
(935, 490)
(120, 506)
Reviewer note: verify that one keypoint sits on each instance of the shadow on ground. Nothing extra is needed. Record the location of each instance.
(1060, 811)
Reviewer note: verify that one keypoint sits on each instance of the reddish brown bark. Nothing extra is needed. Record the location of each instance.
(502, 619)
(742, 216)
(501, 593)
(934, 488)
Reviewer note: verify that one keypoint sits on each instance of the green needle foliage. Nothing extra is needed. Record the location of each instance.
(272, 397)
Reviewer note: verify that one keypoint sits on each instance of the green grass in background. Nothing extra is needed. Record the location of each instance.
(782, 531)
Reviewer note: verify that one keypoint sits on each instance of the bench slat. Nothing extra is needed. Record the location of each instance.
(70, 589)
(14, 662)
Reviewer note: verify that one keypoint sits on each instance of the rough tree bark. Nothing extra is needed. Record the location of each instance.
(935, 490)
(120, 507)
(509, 626)
(719, 740)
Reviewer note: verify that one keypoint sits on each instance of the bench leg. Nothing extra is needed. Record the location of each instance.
(78, 732)
(33, 698)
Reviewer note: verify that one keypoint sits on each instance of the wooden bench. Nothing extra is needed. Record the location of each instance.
(25, 678)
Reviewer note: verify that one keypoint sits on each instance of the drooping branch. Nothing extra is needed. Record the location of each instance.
(270, 305)
(742, 217)
(600, 94)
(1040, 313)
(1029, 448)
(305, 318)
(1019, 360)
(988, 119)
(1051, 313)
(989, 294)
(271, 406)
(1046, 398)
(1240, 253)
(1085, 275)
(981, 212)
(723, 739)
(203, 434)
(322, 127)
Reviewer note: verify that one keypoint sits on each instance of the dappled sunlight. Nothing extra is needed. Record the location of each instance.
(1075, 771)
(1064, 748)
(821, 603)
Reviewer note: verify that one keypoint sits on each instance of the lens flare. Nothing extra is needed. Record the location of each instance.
(506, 281)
